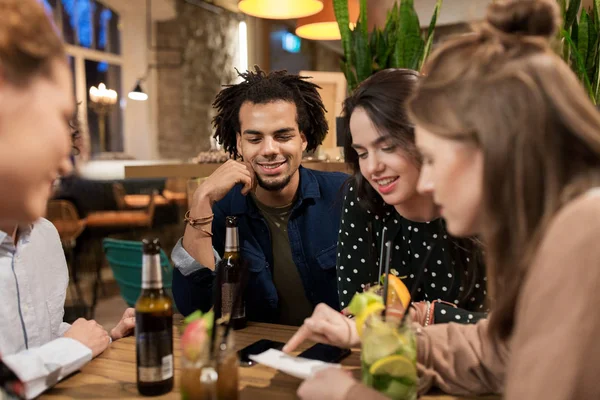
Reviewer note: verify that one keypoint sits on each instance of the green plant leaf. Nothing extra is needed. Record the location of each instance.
(409, 40)
(593, 61)
(389, 37)
(399, 45)
(363, 61)
(340, 9)
(592, 56)
(596, 81)
(378, 48)
(351, 80)
(596, 12)
(360, 37)
(579, 63)
(567, 56)
(583, 37)
(418, 57)
(561, 50)
(391, 23)
(374, 42)
(362, 25)
(572, 11)
(430, 34)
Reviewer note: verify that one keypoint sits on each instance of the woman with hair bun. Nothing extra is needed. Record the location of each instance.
(511, 152)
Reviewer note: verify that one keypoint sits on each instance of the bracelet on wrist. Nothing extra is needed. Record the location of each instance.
(197, 223)
(427, 314)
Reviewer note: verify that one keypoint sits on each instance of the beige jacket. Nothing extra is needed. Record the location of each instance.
(554, 351)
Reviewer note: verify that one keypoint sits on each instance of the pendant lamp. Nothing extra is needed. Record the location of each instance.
(323, 25)
(280, 9)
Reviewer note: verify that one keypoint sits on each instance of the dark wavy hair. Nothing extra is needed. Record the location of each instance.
(383, 97)
(259, 87)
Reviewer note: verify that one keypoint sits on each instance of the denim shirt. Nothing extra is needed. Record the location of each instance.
(313, 231)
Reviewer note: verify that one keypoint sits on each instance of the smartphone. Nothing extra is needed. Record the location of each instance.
(257, 348)
(326, 353)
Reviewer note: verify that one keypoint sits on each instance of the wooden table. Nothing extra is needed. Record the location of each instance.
(112, 374)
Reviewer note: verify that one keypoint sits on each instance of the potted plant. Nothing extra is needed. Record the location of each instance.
(580, 43)
(400, 44)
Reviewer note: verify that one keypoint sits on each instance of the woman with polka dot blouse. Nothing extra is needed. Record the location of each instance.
(382, 195)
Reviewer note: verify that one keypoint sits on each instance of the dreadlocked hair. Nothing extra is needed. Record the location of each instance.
(259, 87)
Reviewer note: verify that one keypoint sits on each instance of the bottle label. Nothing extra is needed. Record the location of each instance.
(155, 356)
(228, 291)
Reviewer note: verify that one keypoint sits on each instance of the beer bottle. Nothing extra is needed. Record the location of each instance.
(231, 265)
(153, 327)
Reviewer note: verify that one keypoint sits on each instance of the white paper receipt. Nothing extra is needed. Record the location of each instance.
(296, 366)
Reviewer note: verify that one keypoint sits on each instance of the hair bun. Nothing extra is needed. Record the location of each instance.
(525, 17)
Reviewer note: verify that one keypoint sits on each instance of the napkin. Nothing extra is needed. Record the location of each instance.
(295, 366)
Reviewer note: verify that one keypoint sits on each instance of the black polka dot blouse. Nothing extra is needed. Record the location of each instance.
(358, 254)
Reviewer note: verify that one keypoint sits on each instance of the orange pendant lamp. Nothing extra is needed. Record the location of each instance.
(280, 9)
(324, 26)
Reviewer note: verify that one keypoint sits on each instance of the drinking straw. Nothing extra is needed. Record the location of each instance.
(388, 250)
(381, 253)
(217, 304)
(418, 279)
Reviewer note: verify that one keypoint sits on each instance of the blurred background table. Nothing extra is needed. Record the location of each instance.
(190, 170)
(112, 374)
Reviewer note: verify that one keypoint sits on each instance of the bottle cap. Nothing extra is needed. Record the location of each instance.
(231, 222)
(151, 246)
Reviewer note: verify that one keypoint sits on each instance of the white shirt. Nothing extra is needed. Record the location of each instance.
(33, 283)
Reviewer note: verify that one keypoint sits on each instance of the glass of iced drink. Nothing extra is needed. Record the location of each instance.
(389, 357)
(211, 377)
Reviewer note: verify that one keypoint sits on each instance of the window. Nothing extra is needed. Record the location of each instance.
(92, 33)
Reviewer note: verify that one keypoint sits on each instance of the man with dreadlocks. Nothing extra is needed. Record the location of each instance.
(288, 216)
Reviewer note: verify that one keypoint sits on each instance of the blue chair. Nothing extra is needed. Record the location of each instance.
(125, 260)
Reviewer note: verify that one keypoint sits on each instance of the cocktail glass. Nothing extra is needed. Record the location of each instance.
(212, 377)
(389, 357)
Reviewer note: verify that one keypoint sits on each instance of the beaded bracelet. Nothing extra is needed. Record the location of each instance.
(430, 320)
(428, 314)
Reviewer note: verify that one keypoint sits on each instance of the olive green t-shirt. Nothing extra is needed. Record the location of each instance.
(294, 307)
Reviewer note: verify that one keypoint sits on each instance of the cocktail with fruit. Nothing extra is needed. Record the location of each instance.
(389, 349)
(207, 375)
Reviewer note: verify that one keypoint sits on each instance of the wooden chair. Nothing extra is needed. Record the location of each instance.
(175, 191)
(124, 218)
(134, 201)
(119, 220)
(65, 218)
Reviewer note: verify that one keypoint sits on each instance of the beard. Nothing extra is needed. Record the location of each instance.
(274, 186)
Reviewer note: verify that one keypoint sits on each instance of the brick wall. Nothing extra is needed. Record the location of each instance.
(207, 44)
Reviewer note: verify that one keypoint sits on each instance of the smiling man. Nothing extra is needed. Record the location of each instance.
(288, 216)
